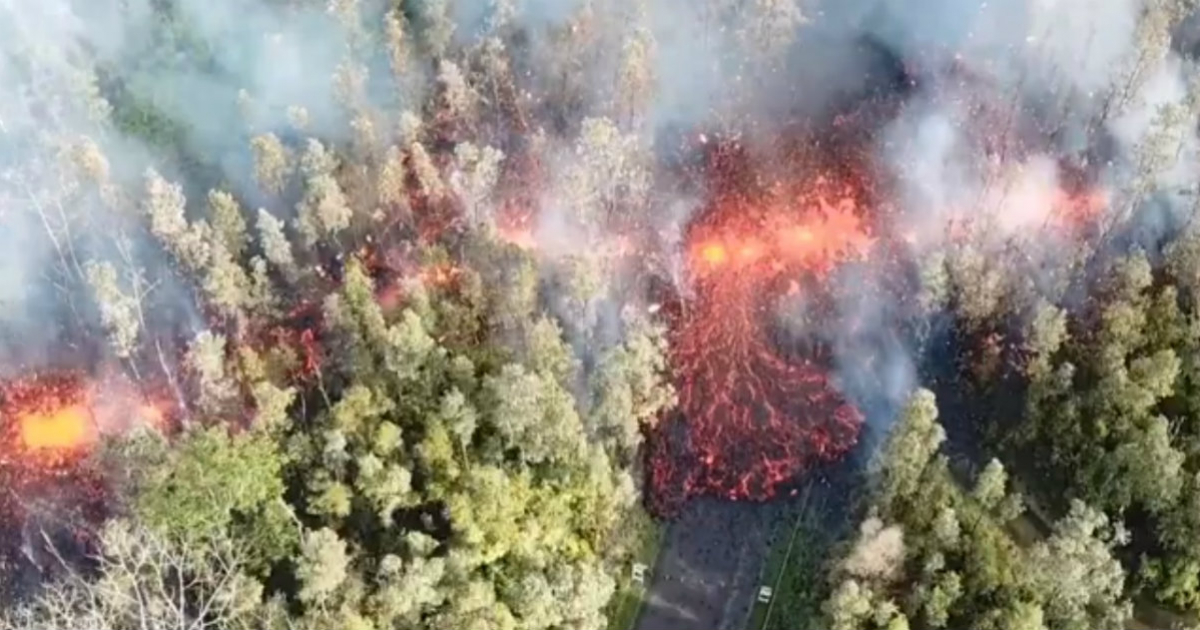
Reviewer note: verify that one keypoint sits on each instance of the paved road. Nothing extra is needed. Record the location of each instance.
(711, 563)
(709, 569)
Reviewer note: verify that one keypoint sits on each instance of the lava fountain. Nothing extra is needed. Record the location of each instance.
(751, 416)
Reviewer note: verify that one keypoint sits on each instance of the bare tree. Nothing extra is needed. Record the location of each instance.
(146, 582)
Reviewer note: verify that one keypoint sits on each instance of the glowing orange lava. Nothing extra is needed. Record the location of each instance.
(753, 418)
(67, 428)
(810, 233)
(439, 274)
(153, 415)
(64, 414)
(713, 254)
(514, 225)
(1082, 210)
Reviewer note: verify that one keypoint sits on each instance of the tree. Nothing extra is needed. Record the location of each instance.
(938, 601)
(1152, 43)
(547, 353)
(609, 172)
(990, 486)
(1082, 582)
(428, 177)
(398, 46)
(226, 285)
(206, 359)
(392, 187)
(977, 283)
(878, 553)
(771, 26)
(933, 553)
(1153, 469)
(848, 607)
(119, 312)
(1046, 333)
(323, 210)
(165, 206)
(438, 27)
(458, 98)
(410, 588)
(274, 243)
(213, 485)
(228, 223)
(909, 449)
(635, 74)
(533, 415)
(630, 390)
(322, 566)
(272, 163)
(1021, 615)
(475, 174)
(147, 580)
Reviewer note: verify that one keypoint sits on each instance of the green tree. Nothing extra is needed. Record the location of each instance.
(1083, 584)
(323, 210)
(212, 484)
(910, 448)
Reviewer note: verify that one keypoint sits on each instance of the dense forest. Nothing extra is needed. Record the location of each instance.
(420, 313)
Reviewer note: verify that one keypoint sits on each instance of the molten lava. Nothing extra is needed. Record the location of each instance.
(62, 415)
(49, 425)
(753, 417)
(66, 428)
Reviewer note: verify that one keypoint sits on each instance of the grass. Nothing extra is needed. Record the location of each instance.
(626, 604)
(794, 570)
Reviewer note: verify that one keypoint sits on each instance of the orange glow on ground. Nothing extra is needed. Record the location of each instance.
(517, 235)
(814, 237)
(67, 428)
(713, 254)
(439, 275)
(57, 417)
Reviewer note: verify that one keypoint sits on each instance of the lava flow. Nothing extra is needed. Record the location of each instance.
(752, 417)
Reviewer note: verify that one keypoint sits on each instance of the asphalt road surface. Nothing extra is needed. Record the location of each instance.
(709, 569)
